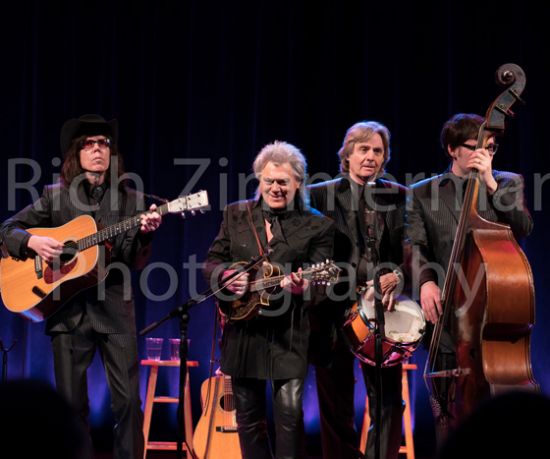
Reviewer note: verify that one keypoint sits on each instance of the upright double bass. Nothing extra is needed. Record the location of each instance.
(488, 297)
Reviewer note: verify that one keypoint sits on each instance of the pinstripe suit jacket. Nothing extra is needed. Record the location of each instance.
(433, 212)
(57, 206)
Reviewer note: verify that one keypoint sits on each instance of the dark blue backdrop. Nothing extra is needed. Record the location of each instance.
(210, 83)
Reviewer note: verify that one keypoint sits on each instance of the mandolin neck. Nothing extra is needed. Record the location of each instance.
(270, 282)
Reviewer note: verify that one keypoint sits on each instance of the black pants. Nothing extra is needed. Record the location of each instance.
(73, 353)
(335, 388)
(250, 401)
(391, 413)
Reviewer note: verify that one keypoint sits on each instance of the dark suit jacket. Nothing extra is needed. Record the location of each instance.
(434, 211)
(269, 347)
(338, 199)
(56, 206)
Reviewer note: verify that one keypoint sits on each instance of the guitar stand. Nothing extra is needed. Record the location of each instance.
(182, 312)
(5, 351)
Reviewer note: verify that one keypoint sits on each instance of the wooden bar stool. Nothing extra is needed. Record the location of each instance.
(408, 447)
(151, 399)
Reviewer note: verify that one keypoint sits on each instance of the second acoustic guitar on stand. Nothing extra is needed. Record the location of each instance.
(216, 433)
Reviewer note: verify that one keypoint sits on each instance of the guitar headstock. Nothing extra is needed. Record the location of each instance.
(190, 203)
(324, 273)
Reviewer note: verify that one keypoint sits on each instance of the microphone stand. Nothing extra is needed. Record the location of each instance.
(182, 312)
(5, 351)
(379, 319)
(379, 334)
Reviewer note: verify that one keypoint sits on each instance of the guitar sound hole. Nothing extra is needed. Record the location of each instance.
(70, 250)
(227, 402)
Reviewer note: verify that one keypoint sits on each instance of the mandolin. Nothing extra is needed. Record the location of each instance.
(266, 284)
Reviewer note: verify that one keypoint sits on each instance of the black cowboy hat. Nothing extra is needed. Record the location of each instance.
(87, 125)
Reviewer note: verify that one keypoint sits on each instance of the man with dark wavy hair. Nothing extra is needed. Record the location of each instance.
(99, 318)
(433, 214)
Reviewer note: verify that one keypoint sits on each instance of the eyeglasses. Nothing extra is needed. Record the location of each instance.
(493, 147)
(103, 143)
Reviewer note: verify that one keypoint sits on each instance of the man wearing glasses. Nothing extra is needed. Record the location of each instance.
(434, 210)
(99, 318)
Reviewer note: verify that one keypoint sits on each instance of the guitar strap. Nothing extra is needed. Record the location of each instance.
(253, 228)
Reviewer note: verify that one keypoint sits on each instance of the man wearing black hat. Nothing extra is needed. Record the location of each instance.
(103, 317)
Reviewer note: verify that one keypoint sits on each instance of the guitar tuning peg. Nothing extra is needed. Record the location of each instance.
(193, 213)
(183, 215)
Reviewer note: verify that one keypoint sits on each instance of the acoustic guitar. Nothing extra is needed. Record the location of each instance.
(266, 283)
(36, 289)
(216, 433)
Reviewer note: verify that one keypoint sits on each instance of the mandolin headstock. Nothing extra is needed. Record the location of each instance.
(324, 273)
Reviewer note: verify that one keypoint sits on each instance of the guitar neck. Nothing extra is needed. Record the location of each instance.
(115, 230)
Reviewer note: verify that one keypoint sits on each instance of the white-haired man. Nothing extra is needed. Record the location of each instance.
(273, 344)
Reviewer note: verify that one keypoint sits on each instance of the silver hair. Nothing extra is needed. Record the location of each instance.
(280, 153)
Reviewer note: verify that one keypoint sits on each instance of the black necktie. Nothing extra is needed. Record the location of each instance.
(368, 222)
(273, 218)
